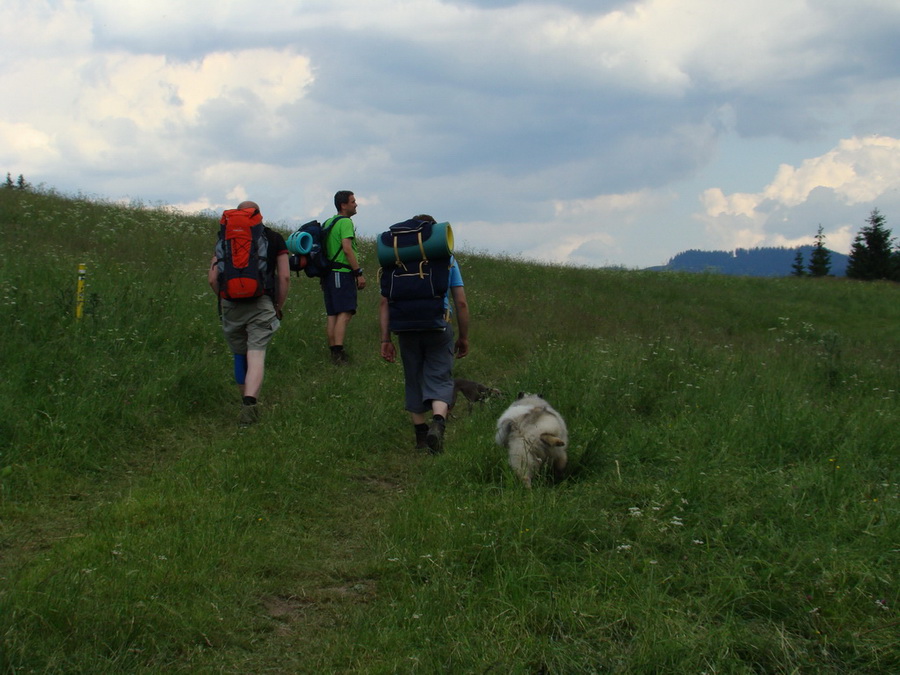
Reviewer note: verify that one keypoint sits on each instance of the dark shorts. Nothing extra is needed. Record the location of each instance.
(427, 358)
(339, 289)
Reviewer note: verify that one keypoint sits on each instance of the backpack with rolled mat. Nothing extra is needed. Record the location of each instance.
(415, 259)
(307, 248)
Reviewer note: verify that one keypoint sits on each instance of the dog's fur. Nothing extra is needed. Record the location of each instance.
(534, 434)
(475, 392)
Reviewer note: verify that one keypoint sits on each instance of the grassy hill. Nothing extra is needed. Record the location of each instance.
(731, 504)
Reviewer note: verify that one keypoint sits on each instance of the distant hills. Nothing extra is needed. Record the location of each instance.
(753, 262)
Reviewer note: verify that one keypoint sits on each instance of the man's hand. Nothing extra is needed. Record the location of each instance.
(461, 348)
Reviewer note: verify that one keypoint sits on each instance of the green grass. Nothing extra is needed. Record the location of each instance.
(731, 504)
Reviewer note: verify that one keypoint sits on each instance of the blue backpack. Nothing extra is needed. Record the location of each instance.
(414, 284)
(307, 247)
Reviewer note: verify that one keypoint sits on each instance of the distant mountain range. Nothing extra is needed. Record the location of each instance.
(753, 262)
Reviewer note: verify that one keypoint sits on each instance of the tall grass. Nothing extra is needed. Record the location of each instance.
(731, 504)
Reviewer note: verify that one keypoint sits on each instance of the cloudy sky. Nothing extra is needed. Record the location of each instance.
(593, 132)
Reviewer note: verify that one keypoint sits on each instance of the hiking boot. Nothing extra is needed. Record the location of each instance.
(340, 358)
(249, 415)
(435, 437)
(421, 436)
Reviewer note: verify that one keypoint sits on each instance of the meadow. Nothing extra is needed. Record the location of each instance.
(731, 504)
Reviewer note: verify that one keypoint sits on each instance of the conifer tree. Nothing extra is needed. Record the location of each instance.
(9, 185)
(871, 256)
(820, 258)
(797, 268)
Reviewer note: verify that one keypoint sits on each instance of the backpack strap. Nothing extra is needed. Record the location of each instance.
(421, 248)
(326, 232)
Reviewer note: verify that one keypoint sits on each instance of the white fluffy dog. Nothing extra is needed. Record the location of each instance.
(534, 433)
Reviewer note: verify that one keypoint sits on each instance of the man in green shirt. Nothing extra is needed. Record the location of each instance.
(342, 282)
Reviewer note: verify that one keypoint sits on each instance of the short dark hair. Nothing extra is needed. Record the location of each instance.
(341, 197)
(425, 218)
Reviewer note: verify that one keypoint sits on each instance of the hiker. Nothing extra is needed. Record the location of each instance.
(427, 356)
(340, 285)
(249, 323)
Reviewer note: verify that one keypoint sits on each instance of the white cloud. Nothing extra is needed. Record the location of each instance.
(38, 28)
(120, 110)
(154, 92)
(859, 171)
(32, 145)
(604, 205)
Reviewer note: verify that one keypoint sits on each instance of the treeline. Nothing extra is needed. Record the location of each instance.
(753, 262)
(873, 256)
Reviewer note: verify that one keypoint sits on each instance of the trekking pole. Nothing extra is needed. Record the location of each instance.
(79, 292)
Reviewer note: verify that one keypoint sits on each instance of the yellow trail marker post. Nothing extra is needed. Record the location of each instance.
(79, 292)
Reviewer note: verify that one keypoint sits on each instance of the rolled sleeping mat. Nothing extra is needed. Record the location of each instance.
(299, 242)
(432, 241)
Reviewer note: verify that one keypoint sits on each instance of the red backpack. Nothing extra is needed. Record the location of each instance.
(242, 252)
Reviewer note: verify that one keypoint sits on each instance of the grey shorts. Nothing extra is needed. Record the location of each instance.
(427, 358)
(249, 324)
